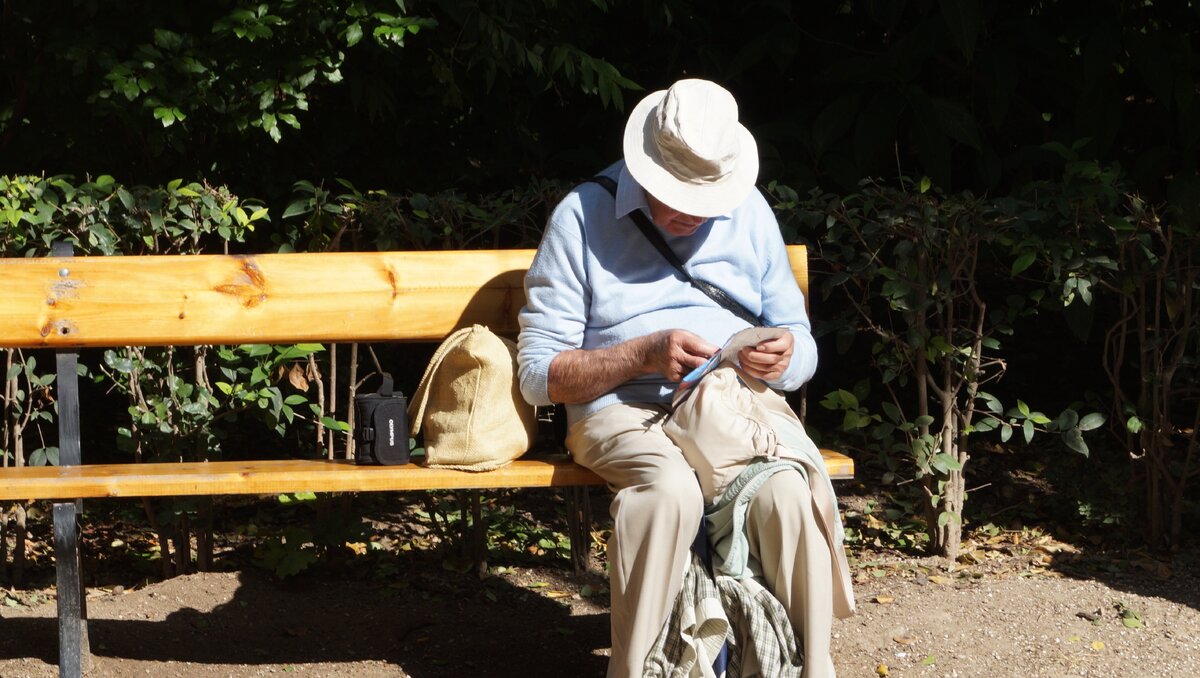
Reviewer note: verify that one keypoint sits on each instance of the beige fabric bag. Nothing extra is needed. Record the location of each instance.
(723, 425)
(469, 404)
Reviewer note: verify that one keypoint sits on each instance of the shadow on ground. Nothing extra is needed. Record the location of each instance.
(426, 625)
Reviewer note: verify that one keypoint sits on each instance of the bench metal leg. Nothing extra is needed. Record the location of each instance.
(477, 534)
(579, 527)
(73, 648)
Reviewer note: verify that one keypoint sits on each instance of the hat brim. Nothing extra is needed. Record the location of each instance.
(700, 200)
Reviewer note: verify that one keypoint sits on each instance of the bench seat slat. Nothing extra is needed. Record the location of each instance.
(295, 475)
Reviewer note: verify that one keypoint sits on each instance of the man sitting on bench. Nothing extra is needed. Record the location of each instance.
(611, 326)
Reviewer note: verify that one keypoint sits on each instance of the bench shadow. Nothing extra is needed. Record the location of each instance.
(496, 304)
(427, 626)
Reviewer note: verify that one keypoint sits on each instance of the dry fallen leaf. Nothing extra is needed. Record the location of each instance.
(882, 670)
(296, 377)
(1098, 645)
(938, 579)
(884, 600)
(905, 639)
(973, 557)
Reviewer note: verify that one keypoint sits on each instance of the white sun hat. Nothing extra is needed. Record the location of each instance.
(684, 145)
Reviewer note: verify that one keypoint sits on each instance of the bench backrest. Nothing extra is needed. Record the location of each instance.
(62, 302)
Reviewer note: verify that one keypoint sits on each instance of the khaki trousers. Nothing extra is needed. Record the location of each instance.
(656, 512)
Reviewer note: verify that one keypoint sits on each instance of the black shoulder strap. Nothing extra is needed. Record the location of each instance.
(652, 234)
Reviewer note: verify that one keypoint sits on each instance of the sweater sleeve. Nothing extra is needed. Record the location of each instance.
(556, 301)
(783, 305)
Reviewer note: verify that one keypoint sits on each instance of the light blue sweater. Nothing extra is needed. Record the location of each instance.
(596, 281)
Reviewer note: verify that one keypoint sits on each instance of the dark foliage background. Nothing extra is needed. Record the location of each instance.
(485, 94)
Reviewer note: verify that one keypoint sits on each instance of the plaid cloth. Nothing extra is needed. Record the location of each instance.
(710, 613)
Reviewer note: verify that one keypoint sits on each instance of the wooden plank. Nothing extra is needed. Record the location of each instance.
(839, 466)
(268, 298)
(298, 475)
(798, 256)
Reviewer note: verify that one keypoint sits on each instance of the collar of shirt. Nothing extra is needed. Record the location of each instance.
(630, 195)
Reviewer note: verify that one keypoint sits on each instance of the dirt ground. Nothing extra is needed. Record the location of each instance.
(1020, 604)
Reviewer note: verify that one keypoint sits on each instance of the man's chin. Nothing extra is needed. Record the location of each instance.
(681, 230)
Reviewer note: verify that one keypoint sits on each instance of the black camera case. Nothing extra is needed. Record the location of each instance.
(381, 426)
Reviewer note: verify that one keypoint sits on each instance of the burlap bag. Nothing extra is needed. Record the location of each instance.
(469, 404)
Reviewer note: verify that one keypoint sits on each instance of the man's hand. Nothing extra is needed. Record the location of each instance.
(768, 360)
(580, 375)
(674, 353)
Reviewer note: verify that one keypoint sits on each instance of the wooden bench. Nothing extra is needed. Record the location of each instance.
(66, 303)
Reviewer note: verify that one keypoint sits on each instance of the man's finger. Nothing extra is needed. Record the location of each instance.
(776, 345)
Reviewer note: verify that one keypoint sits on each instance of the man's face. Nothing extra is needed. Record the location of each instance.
(672, 220)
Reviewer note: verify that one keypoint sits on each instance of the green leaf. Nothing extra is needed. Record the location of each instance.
(985, 425)
(296, 209)
(334, 424)
(946, 516)
(1074, 440)
(1027, 429)
(1091, 421)
(354, 33)
(945, 463)
(993, 403)
(120, 363)
(1133, 424)
(257, 375)
(1067, 420)
(847, 399)
(256, 350)
(1023, 262)
(891, 411)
